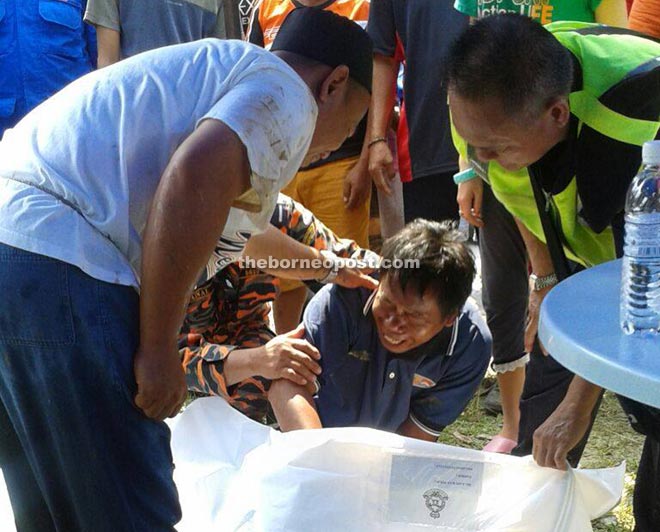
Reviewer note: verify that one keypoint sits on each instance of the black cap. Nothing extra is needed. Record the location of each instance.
(329, 39)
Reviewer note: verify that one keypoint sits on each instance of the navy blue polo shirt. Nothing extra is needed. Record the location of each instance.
(363, 384)
(419, 33)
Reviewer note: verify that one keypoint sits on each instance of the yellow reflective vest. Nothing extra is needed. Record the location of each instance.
(606, 56)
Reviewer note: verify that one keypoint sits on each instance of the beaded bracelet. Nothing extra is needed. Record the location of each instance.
(376, 141)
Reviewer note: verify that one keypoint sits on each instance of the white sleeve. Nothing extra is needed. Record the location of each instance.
(274, 116)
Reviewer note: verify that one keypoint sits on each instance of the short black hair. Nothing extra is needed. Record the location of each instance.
(428, 255)
(513, 60)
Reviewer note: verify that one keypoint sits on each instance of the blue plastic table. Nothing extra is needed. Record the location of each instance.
(579, 326)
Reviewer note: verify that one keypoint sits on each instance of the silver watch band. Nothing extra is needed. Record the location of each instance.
(335, 265)
(539, 283)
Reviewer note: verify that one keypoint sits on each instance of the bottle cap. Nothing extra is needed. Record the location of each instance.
(651, 152)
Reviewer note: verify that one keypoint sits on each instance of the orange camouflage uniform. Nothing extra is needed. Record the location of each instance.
(231, 310)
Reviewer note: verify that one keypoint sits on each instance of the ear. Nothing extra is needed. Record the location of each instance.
(449, 320)
(335, 84)
(559, 112)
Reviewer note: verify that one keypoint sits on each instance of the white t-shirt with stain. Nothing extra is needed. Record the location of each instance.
(78, 173)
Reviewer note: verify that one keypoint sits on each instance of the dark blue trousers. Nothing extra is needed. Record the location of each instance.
(76, 453)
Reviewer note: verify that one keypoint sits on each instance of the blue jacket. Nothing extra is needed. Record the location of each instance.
(44, 45)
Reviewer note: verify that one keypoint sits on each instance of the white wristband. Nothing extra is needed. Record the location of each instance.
(333, 263)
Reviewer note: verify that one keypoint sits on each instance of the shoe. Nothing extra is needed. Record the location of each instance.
(486, 386)
(500, 444)
(491, 403)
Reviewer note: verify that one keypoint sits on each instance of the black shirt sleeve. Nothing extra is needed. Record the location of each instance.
(381, 27)
(605, 167)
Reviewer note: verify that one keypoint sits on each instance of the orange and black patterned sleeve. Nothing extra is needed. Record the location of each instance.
(203, 360)
(228, 312)
(298, 222)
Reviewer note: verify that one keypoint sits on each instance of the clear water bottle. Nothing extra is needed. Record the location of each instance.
(640, 283)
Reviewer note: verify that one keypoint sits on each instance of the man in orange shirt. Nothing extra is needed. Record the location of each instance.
(337, 189)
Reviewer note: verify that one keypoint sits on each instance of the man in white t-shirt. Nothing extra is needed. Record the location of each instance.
(125, 180)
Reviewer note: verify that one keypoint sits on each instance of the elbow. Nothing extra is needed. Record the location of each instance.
(283, 393)
(293, 406)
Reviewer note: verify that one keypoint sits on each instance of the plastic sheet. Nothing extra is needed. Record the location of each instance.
(6, 513)
(234, 474)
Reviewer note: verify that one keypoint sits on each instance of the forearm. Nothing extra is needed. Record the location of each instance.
(213, 369)
(363, 161)
(108, 46)
(267, 250)
(567, 425)
(193, 198)
(581, 397)
(410, 430)
(382, 97)
(301, 225)
(240, 364)
(169, 275)
(293, 406)
(538, 252)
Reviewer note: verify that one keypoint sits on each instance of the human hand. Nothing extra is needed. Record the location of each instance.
(161, 383)
(469, 198)
(533, 310)
(381, 166)
(355, 278)
(357, 185)
(289, 356)
(559, 434)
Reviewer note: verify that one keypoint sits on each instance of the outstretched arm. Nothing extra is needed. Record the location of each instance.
(303, 262)
(214, 368)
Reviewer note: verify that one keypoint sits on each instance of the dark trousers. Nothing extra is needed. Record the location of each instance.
(646, 499)
(75, 452)
(504, 280)
(546, 384)
(432, 197)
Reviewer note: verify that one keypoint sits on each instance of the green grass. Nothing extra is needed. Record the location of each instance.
(611, 441)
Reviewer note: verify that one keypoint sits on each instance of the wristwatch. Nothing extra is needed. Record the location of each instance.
(539, 283)
(331, 261)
